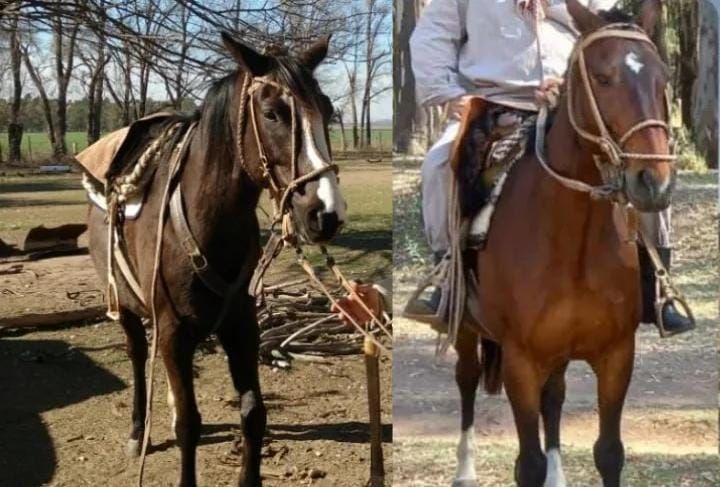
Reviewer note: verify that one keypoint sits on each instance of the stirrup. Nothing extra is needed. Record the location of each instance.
(416, 309)
(668, 295)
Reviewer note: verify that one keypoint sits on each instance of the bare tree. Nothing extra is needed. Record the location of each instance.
(15, 127)
(704, 105)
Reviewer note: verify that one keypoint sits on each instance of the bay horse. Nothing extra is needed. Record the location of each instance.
(265, 125)
(557, 280)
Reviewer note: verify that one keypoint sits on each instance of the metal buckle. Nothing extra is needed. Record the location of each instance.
(199, 262)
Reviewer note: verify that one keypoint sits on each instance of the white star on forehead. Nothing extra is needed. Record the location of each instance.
(632, 61)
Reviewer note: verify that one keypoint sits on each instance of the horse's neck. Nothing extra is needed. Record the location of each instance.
(217, 205)
(581, 220)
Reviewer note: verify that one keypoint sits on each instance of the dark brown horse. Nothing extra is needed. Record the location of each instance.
(558, 280)
(233, 154)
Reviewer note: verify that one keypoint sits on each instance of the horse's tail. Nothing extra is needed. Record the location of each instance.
(491, 365)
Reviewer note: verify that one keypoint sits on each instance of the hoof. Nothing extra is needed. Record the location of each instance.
(132, 450)
(465, 483)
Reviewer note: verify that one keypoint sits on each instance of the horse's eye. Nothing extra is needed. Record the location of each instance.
(602, 79)
(270, 115)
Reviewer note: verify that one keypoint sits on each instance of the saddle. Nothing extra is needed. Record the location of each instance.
(491, 139)
(120, 155)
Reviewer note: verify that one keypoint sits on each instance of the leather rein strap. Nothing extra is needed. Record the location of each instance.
(613, 158)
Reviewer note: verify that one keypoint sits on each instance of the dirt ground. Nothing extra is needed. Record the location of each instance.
(66, 392)
(670, 423)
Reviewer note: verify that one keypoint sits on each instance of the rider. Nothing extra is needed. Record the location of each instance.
(462, 49)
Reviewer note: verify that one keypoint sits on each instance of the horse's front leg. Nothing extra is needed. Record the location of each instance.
(613, 371)
(137, 350)
(553, 397)
(177, 346)
(240, 338)
(523, 380)
(467, 376)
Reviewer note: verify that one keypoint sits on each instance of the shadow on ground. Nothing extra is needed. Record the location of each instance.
(36, 376)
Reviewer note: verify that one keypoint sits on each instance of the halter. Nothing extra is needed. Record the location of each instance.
(280, 196)
(612, 162)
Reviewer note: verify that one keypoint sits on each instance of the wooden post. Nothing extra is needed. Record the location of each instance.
(372, 371)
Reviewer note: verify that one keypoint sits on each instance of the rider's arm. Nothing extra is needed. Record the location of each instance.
(434, 49)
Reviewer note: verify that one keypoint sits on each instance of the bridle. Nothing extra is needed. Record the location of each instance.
(280, 195)
(612, 159)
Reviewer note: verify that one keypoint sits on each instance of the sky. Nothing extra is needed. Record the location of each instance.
(331, 72)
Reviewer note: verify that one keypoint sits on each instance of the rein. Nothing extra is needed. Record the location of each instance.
(612, 161)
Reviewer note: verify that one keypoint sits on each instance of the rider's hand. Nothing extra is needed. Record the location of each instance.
(548, 92)
(457, 107)
(351, 306)
(527, 8)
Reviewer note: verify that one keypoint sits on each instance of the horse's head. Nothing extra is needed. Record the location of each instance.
(617, 102)
(284, 145)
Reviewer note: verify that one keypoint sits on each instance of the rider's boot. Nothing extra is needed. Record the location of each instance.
(673, 322)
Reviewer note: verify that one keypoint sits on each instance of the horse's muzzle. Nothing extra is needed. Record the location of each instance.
(649, 192)
(322, 225)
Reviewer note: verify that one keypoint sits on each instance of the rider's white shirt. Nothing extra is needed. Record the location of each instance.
(486, 48)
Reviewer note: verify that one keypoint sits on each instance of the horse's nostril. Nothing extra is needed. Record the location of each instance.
(647, 179)
(328, 223)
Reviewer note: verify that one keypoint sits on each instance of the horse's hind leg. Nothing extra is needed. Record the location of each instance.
(240, 338)
(523, 382)
(177, 348)
(137, 350)
(613, 371)
(553, 397)
(467, 376)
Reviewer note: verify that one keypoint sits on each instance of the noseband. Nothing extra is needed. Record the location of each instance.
(280, 195)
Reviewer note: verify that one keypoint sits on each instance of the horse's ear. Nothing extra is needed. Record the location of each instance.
(316, 53)
(585, 19)
(650, 13)
(248, 59)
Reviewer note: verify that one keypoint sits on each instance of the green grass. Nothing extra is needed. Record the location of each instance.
(36, 145)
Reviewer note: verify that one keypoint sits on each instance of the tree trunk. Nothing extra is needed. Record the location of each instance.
(15, 128)
(414, 127)
(705, 96)
(343, 140)
(47, 108)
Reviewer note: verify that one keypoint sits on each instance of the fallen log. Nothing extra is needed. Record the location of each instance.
(56, 318)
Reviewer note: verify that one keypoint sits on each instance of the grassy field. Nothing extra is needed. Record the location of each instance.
(36, 145)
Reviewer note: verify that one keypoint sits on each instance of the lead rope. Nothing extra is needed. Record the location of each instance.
(174, 165)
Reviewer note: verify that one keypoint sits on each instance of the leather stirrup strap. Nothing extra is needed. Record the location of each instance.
(126, 271)
(197, 259)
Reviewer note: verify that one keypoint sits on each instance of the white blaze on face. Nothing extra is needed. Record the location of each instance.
(555, 476)
(632, 61)
(317, 153)
(466, 456)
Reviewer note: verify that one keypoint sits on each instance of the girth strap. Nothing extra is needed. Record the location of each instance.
(199, 262)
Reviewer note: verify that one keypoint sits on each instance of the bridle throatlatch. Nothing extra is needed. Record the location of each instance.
(612, 157)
